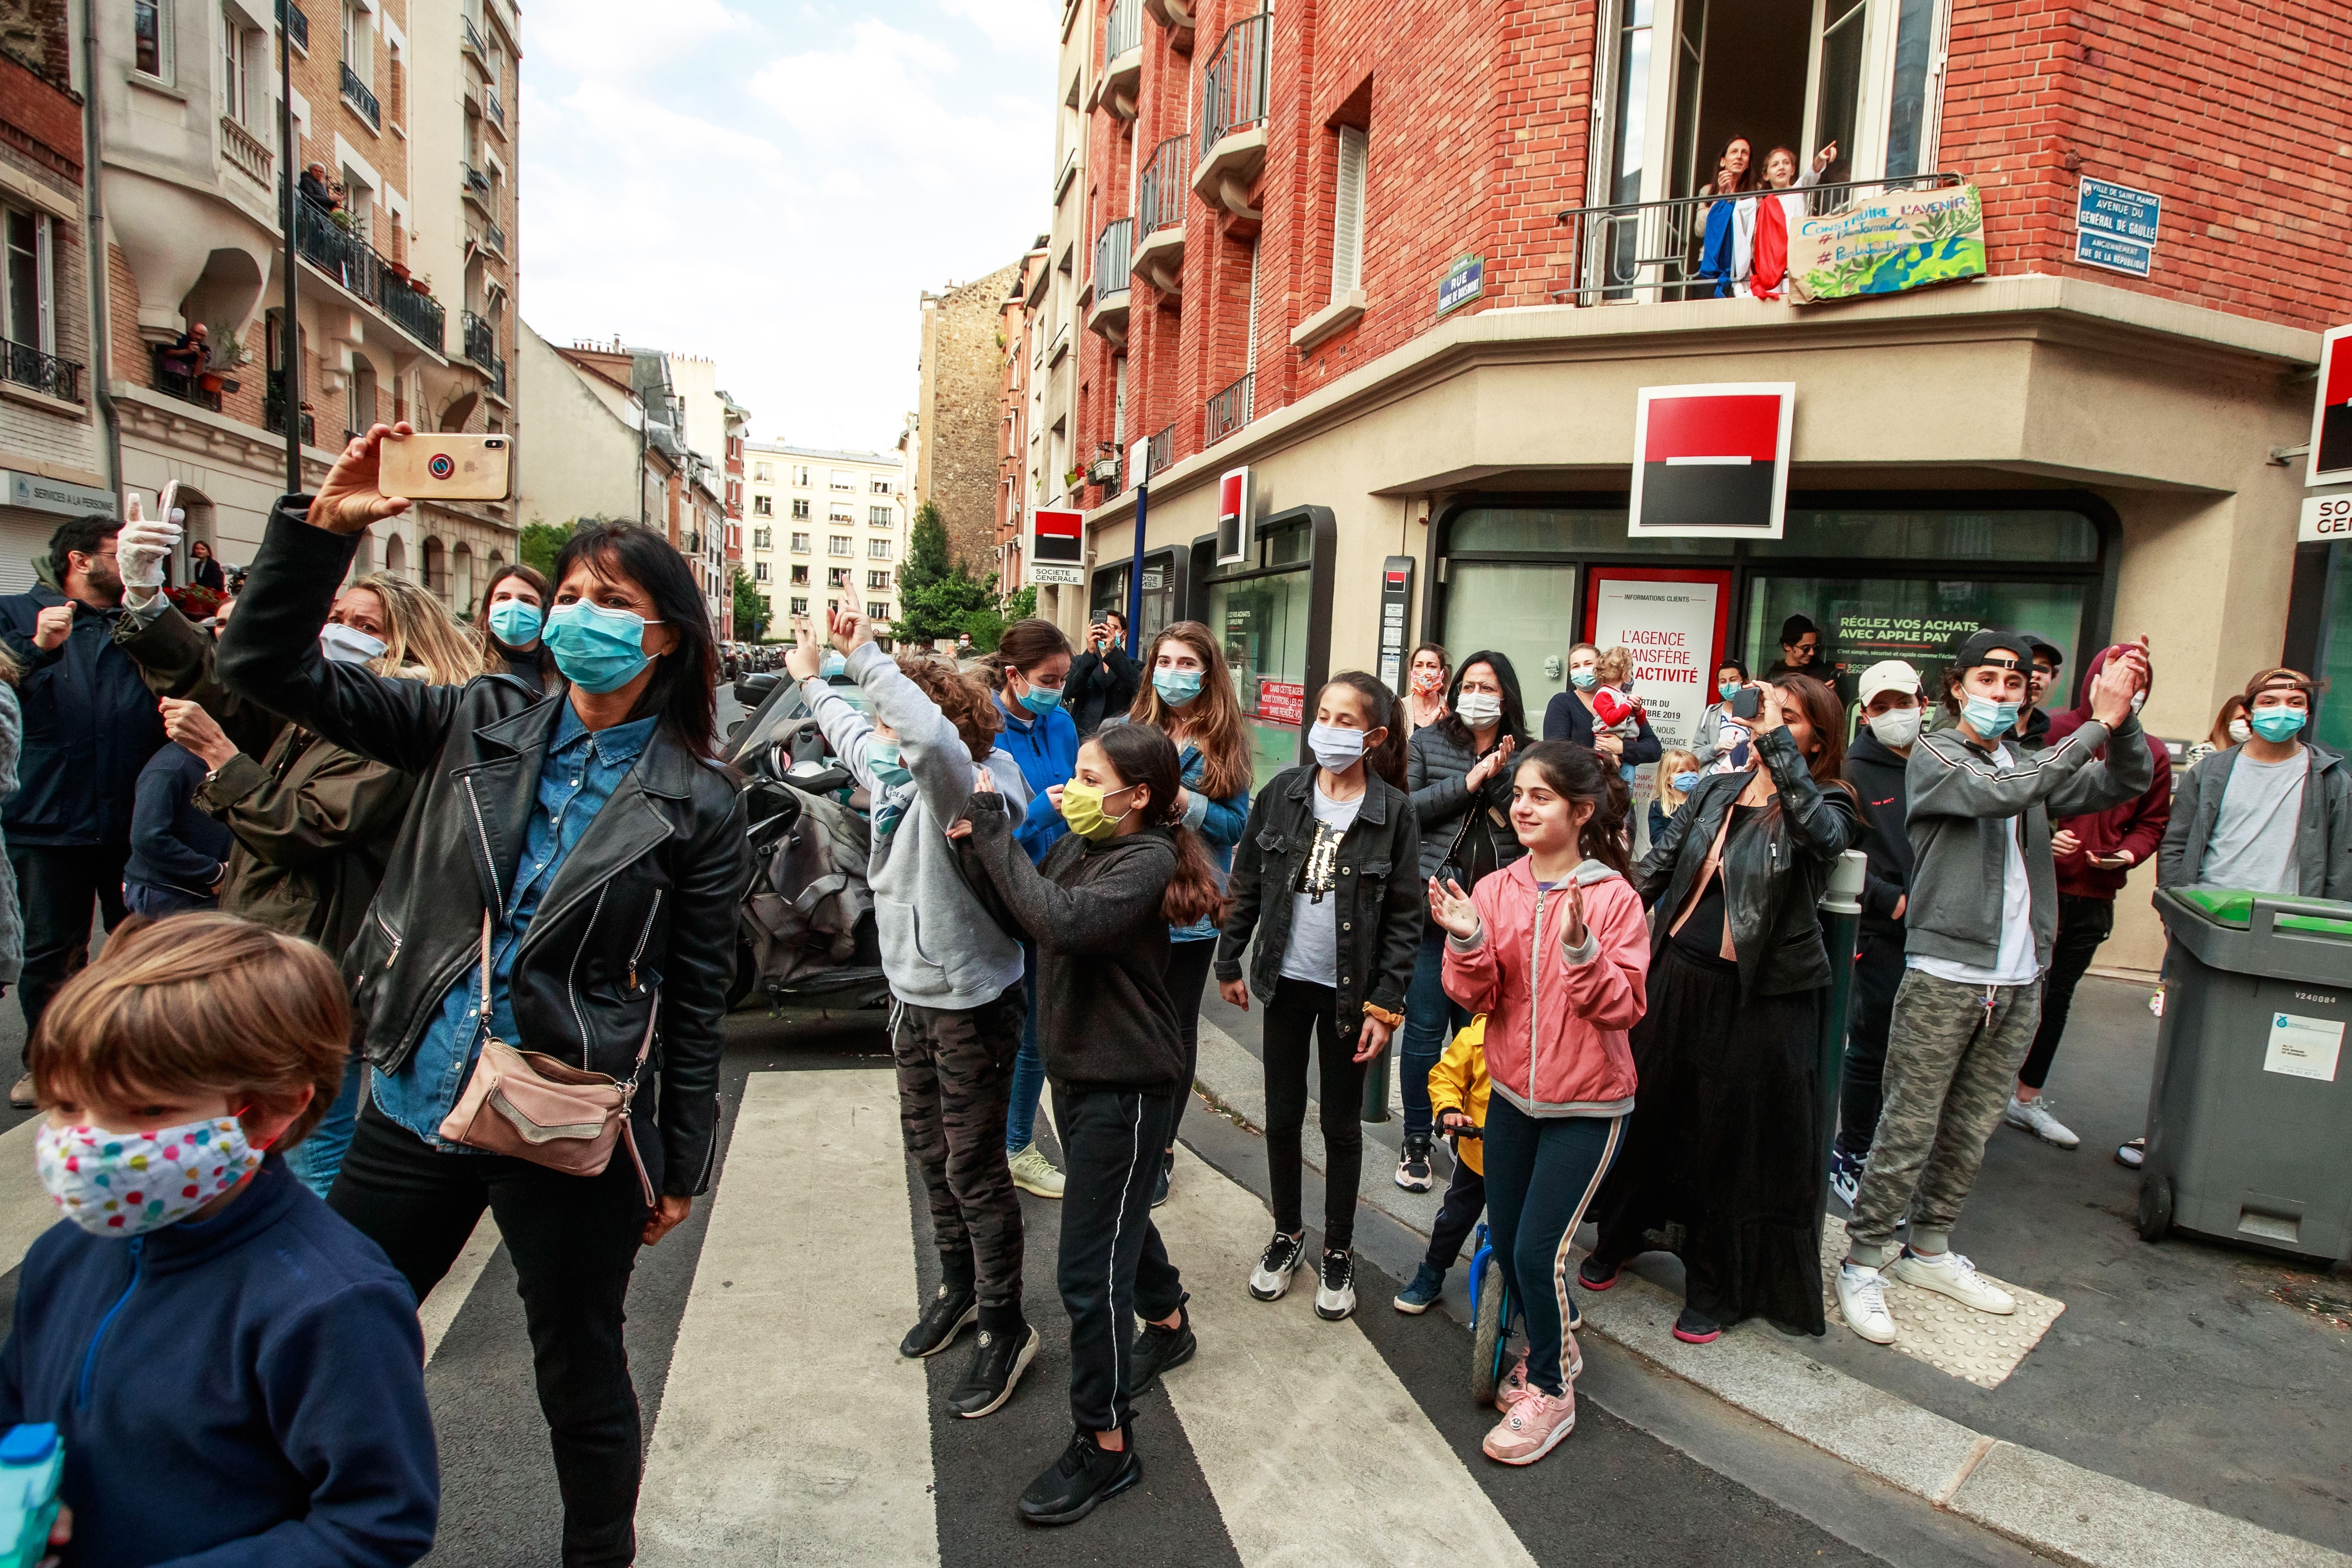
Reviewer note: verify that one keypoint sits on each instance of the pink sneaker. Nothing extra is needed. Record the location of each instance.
(1532, 1427)
(1516, 1380)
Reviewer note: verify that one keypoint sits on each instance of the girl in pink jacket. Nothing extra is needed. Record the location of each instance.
(1553, 949)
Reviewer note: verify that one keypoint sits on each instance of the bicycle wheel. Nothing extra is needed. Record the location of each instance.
(1488, 1331)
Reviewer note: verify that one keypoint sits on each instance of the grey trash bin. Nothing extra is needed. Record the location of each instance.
(2250, 1116)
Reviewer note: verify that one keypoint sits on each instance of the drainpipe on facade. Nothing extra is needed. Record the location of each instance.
(99, 271)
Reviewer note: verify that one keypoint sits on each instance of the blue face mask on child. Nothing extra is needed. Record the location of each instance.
(1990, 719)
(515, 623)
(1685, 782)
(597, 649)
(1176, 687)
(882, 756)
(830, 664)
(1041, 700)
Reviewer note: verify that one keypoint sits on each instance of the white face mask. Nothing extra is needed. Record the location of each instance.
(2240, 731)
(127, 1184)
(1479, 709)
(346, 645)
(1897, 727)
(2139, 701)
(1336, 749)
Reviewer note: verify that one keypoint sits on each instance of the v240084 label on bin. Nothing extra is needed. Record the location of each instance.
(2303, 1048)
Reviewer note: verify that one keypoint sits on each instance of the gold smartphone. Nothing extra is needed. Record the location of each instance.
(433, 466)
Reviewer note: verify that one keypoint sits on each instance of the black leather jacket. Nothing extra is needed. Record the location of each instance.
(645, 905)
(1382, 898)
(1773, 873)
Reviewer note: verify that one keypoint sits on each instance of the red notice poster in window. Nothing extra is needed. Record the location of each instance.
(1674, 623)
(1281, 701)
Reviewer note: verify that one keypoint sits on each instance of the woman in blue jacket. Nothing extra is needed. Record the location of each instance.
(1030, 669)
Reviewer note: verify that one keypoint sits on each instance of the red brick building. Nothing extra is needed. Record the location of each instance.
(1411, 270)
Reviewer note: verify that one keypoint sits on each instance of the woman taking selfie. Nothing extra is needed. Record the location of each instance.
(1726, 1139)
(566, 884)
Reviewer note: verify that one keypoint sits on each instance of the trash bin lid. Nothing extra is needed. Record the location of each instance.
(2234, 906)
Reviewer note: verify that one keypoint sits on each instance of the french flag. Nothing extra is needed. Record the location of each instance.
(1709, 461)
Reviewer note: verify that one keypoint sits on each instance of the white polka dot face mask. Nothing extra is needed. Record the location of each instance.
(127, 1184)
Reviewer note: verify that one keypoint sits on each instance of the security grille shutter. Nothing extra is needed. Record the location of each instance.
(1348, 213)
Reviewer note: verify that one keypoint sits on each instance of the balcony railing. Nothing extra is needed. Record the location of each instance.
(493, 237)
(1114, 248)
(350, 261)
(1633, 247)
(1227, 412)
(493, 108)
(245, 150)
(178, 380)
(1233, 89)
(273, 411)
(1158, 453)
(477, 184)
(296, 25)
(27, 366)
(498, 378)
(1124, 29)
(473, 39)
(481, 341)
(357, 94)
(1160, 194)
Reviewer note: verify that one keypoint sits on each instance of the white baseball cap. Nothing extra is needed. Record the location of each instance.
(1887, 674)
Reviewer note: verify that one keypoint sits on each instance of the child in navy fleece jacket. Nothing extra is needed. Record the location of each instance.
(237, 1372)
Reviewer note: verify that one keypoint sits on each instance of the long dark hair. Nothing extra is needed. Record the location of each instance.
(1515, 713)
(1745, 179)
(1381, 707)
(497, 649)
(683, 689)
(1143, 754)
(1025, 644)
(1581, 774)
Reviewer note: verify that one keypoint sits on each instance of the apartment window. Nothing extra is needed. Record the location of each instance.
(879, 516)
(843, 480)
(799, 576)
(837, 577)
(875, 610)
(800, 476)
(150, 35)
(764, 472)
(1347, 214)
(837, 544)
(877, 582)
(759, 571)
(763, 539)
(840, 512)
(801, 510)
(879, 487)
(233, 76)
(800, 544)
(25, 288)
(763, 506)
(800, 605)
(358, 51)
(878, 549)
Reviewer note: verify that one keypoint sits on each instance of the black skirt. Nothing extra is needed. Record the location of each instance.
(1723, 1153)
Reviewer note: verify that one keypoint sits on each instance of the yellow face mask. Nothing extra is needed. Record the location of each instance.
(1082, 808)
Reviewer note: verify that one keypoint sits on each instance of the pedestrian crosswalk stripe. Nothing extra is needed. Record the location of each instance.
(1316, 1451)
(791, 1429)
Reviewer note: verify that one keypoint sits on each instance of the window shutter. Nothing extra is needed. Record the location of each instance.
(1348, 213)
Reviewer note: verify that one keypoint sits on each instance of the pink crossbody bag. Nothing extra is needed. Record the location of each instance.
(529, 1105)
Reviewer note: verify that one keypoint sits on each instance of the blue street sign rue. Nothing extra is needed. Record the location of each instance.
(2103, 207)
(2114, 255)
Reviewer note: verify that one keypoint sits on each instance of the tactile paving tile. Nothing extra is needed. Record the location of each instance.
(1982, 1348)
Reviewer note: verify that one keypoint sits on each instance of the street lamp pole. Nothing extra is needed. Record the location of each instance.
(290, 332)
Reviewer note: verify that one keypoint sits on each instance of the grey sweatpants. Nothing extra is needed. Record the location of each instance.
(1951, 1062)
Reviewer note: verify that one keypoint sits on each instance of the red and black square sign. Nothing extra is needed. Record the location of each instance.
(1712, 461)
(2331, 422)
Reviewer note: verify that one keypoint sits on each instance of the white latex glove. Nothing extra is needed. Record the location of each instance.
(142, 548)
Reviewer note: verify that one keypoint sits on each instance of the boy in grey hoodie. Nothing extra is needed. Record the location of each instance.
(955, 981)
(1982, 915)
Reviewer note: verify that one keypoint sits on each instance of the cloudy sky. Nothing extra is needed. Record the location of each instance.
(772, 184)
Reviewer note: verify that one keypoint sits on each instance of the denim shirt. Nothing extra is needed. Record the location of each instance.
(582, 769)
(1219, 823)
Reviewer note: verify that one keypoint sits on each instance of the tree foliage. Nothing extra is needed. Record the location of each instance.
(1021, 605)
(927, 550)
(750, 609)
(542, 542)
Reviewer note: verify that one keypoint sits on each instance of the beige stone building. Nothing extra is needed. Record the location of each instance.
(957, 412)
(821, 525)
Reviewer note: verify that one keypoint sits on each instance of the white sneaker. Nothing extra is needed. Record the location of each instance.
(1271, 1278)
(1951, 1275)
(1032, 1173)
(1335, 1292)
(1862, 1297)
(2033, 1115)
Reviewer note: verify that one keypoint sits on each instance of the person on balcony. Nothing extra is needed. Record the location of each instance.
(188, 354)
(1725, 249)
(1778, 215)
(314, 187)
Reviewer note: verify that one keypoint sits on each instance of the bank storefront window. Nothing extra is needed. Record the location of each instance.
(1109, 592)
(2333, 726)
(1262, 620)
(1519, 612)
(1866, 620)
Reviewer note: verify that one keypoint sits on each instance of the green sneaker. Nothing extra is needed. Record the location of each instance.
(1032, 1173)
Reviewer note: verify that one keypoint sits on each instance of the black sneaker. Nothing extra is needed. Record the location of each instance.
(997, 1362)
(1160, 1187)
(1283, 1256)
(1334, 1293)
(1412, 1166)
(1084, 1476)
(947, 1314)
(1159, 1350)
(1694, 1327)
(1595, 1274)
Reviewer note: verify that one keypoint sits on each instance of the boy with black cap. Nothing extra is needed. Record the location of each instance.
(1979, 922)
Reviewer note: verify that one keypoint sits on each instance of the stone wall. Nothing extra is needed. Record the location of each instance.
(963, 375)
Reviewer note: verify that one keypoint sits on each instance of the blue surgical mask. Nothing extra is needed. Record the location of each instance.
(1176, 687)
(1041, 700)
(597, 649)
(2275, 725)
(346, 645)
(515, 623)
(882, 756)
(1990, 719)
(1685, 782)
(1336, 749)
(1728, 690)
(830, 664)
(1584, 679)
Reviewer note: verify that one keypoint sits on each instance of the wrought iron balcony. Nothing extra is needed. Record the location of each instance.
(476, 186)
(1160, 200)
(481, 341)
(1114, 250)
(27, 367)
(1158, 453)
(296, 25)
(493, 237)
(343, 256)
(360, 96)
(273, 411)
(1123, 31)
(472, 40)
(1231, 146)
(246, 151)
(1227, 412)
(1652, 250)
(493, 108)
(184, 379)
(1122, 59)
(499, 379)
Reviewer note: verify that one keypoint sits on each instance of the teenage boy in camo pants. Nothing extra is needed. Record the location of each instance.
(1977, 929)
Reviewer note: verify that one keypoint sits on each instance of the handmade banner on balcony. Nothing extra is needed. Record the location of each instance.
(1712, 462)
(1886, 244)
(1057, 546)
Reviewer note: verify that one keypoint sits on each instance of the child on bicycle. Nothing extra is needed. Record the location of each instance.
(1458, 1087)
